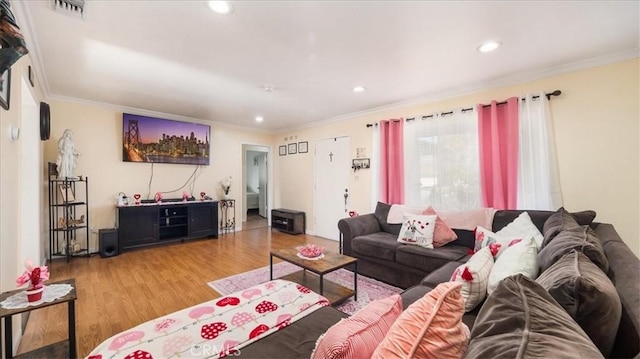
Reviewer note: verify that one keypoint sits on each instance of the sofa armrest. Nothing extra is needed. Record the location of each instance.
(356, 226)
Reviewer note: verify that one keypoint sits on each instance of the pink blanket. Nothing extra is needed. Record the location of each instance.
(217, 328)
(467, 219)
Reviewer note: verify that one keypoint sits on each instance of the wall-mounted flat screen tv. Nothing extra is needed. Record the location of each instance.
(150, 139)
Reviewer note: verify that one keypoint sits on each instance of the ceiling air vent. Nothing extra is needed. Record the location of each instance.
(73, 8)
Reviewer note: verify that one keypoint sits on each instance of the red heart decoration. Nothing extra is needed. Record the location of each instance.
(303, 289)
(136, 196)
(228, 301)
(266, 306)
(139, 354)
(211, 331)
(258, 330)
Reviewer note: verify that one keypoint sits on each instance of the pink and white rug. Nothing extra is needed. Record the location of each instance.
(368, 289)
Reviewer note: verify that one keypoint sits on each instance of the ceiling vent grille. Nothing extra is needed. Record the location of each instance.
(73, 8)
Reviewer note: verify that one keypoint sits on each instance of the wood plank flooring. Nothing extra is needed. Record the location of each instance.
(117, 293)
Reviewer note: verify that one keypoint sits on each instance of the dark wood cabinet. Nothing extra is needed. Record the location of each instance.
(153, 224)
(203, 220)
(288, 221)
(137, 226)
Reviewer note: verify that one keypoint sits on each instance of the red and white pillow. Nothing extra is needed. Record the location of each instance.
(514, 232)
(417, 230)
(474, 276)
(442, 234)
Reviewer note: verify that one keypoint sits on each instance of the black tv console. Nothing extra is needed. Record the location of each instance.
(150, 224)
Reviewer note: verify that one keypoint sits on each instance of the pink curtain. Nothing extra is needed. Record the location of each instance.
(391, 162)
(498, 140)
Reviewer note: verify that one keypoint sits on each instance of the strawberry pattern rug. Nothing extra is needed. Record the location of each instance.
(368, 289)
(217, 328)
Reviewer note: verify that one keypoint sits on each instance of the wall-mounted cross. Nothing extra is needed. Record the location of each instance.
(330, 156)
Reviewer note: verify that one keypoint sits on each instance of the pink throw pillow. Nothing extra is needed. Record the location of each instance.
(358, 335)
(442, 234)
(431, 327)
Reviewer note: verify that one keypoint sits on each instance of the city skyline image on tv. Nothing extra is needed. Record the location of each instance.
(150, 139)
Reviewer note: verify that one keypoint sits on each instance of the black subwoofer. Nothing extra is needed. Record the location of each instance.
(108, 242)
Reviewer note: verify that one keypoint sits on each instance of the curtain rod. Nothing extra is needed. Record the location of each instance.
(549, 95)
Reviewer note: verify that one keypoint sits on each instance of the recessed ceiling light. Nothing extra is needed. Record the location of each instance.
(221, 7)
(259, 119)
(268, 88)
(489, 46)
(358, 89)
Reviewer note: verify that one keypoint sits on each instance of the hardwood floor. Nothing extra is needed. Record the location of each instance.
(117, 293)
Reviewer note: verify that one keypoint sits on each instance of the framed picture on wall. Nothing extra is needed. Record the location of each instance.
(303, 147)
(282, 150)
(5, 89)
(293, 148)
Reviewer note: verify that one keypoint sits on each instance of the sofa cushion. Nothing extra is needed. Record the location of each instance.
(442, 234)
(504, 217)
(581, 238)
(417, 230)
(521, 258)
(360, 333)
(556, 223)
(440, 275)
(381, 213)
(429, 260)
(588, 295)
(381, 245)
(474, 276)
(466, 238)
(430, 328)
(521, 320)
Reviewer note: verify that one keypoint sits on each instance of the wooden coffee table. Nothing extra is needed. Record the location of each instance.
(334, 292)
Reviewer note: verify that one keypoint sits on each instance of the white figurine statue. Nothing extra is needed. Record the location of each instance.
(67, 155)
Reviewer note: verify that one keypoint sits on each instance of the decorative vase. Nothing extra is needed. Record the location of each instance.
(34, 294)
(227, 196)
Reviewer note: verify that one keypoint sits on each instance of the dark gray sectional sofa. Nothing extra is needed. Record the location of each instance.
(373, 242)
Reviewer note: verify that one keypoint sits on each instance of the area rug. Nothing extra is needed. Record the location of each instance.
(368, 289)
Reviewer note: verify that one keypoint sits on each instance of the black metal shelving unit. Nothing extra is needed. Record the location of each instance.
(68, 216)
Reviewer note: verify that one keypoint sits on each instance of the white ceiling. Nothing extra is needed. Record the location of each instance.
(179, 58)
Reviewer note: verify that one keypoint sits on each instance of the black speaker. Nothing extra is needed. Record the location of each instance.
(108, 242)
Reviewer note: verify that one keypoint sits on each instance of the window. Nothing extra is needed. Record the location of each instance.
(441, 162)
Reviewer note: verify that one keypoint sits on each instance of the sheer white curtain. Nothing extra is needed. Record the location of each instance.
(538, 179)
(442, 161)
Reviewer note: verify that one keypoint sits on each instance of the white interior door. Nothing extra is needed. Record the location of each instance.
(332, 167)
(262, 185)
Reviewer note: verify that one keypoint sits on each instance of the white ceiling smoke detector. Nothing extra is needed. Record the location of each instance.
(73, 8)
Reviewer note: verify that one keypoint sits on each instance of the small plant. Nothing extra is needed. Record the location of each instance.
(33, 275)
(225, 184)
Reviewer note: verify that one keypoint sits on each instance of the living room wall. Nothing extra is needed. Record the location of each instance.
(596, 121)
(97, 134)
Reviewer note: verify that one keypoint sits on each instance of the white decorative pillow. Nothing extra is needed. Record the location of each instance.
(418, 230)
(514, 232)
(474, 276)
(522, 227)
(520, 258)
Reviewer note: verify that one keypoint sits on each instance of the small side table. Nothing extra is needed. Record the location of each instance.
(227, 215)
(65, 348)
